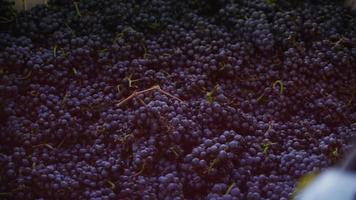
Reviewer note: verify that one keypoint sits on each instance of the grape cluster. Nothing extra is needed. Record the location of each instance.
(166, 99)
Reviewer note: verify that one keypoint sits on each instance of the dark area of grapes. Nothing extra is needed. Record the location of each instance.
(173, 99)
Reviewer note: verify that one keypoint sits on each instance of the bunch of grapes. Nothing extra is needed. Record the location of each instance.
(166, 99)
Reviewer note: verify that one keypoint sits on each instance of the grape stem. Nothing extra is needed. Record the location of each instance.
(112, 185)
(121, 34)
(70, 29)
(145, 51)
(131, 81)
(352, 98)
(28, 75)
(46, 145)
(4, 20)
(142, 169)
(142, 102)
(77, 9)
(118, 88)
(34, 93)
(65, 98)
(100, 129)
(212, 164)
(55, 51)
(342, 39)
(281, 85)
(61, 143)
(136, 93)
(75, 72)
(210, 95)
(175, 152)
(230, 188)
(124, 139)
(260, 97)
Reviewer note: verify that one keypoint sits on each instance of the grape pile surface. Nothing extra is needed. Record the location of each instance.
(173, 99)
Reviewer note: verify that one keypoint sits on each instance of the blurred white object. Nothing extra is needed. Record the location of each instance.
(333, 184)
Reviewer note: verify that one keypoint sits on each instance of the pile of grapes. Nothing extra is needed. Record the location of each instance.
(173, 99)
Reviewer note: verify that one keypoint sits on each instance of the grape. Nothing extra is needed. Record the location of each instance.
(223, 100)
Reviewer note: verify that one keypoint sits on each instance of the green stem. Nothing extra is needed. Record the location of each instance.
(75, 71)
(230, 188)
(28, 75)
(55, 51)
(5, 20)
(112, 185)
(77, 8)
(71, 30)
(260, 97)
(281, 85)
(142, 169)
